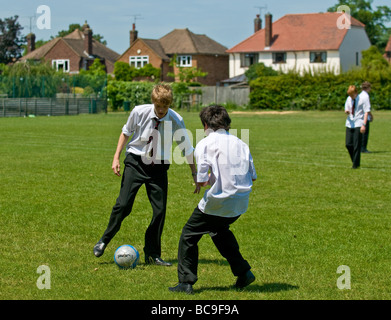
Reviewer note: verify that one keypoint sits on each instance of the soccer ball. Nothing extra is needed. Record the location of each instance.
(126, 256)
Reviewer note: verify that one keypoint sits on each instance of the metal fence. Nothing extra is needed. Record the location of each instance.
(24, 107)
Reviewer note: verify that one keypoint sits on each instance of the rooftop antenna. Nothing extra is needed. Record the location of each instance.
(136, 17)
(261, 8)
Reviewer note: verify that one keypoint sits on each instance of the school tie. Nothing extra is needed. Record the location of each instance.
(151, 136)
(353, 105)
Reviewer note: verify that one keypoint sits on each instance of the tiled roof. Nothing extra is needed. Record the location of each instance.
(183, 41)
(75, 41)
(299, 32)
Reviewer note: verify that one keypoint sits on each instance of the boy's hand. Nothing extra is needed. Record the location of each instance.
(198, 188)
(116, 167)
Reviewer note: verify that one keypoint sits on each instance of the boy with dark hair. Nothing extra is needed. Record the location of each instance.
(224, 162)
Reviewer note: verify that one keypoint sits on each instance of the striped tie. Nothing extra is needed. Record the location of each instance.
(151, 137)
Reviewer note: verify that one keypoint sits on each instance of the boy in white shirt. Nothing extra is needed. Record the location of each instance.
(224, 162)
(357, 110)
(151, 129)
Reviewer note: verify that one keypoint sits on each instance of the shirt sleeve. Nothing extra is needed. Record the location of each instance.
(367, 105)
(203, 166)
(252, 168)
(130, 125)
(347, 105)
(182, 138)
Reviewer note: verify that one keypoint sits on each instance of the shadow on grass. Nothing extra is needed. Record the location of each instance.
(267, 287)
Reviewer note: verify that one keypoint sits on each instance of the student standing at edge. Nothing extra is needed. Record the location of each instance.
(146, 163)
(357, 110)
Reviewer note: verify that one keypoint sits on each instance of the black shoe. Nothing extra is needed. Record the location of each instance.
(99, 248)
(365, 151)
(182, 287)
(157, 261)
(244, 280)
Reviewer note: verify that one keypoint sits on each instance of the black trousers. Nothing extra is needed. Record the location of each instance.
(353, 144)
(218, 228)
(365, 137)
(135, 174)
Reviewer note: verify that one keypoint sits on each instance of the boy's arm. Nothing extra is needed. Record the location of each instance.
(193, 169)
(123, 139)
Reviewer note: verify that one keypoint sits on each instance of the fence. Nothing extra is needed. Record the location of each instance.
(219, 95)
(23, 107)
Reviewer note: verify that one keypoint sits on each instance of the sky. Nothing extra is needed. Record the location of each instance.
(225, 21)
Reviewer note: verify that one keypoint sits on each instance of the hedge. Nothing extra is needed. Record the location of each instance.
(324, 91)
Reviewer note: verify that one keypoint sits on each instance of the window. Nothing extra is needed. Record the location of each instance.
(138, 61)
(184, 61)
(318, 57)
(279, 57)
(61, 65)
(248, 59)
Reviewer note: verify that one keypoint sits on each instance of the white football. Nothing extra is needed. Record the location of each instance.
(126, 256)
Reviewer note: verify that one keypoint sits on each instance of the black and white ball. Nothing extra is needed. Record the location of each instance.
(126, 257)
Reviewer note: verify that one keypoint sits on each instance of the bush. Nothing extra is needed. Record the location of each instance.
(323, 91)
(136, 93)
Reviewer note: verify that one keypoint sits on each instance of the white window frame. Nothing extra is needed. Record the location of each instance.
(185, 61)
(56, 63)
(138, 61)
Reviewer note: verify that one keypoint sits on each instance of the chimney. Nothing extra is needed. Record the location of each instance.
(30, 42)
(133, 34)
(268, 30)
(257, 23)
(88, 40)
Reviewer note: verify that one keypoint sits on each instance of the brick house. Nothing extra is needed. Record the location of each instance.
(301, 42)
(192, 50)
(72, 53)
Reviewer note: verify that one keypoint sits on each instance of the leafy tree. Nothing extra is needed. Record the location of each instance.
(124, 72)
(374, 20)
(185, 74)
(372, 59)
(260, 70)
(11, 39)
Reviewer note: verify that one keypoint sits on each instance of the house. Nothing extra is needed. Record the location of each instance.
(387, 53)
(301, 42)
(72, 53)
(191, 50)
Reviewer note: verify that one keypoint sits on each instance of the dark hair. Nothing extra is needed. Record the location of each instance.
(215, 117)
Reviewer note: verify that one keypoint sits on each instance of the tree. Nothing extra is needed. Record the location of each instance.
(11, 40)
(259, 70)
(374, 20)
(185, 74)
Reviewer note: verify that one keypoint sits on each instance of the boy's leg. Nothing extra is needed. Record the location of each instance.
(349, 142)
(357, 141)
(192, 232)
(132, 179)
(157, 189)
(226, 243)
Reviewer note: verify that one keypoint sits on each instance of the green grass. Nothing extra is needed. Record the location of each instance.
(309, 212)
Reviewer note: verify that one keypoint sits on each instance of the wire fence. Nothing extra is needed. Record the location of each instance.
(29, 107)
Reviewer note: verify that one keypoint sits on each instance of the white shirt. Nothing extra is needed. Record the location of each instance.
(231, 173)
(140, 126)
(362, 106)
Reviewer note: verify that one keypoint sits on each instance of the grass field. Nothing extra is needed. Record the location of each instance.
(309, 212)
